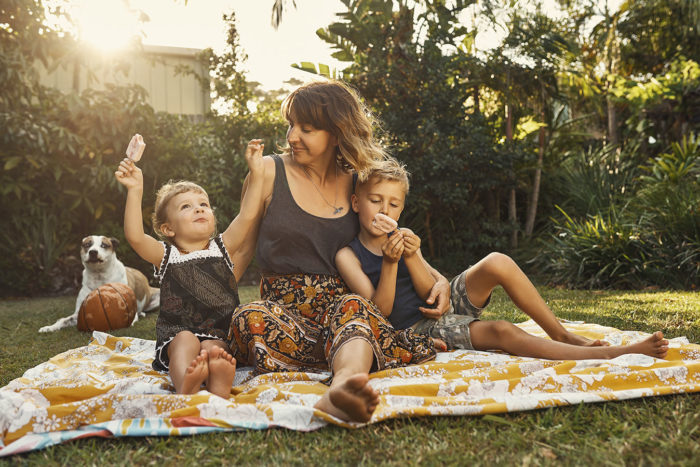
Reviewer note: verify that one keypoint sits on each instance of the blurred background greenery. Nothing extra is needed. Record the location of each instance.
(571, 146)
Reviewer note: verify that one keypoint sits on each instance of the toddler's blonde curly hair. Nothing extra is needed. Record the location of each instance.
(165, 194)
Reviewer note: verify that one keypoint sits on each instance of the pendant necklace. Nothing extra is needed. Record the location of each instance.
(336, 209)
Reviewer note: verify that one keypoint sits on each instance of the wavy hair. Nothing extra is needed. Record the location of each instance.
(335, 107)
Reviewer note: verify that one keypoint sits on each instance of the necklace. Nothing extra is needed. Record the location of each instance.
(336, 209)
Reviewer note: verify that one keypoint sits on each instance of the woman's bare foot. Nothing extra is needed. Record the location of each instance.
(654, 346)
(575, 339)
(440, 344)
(352, 399)
(222, 371)
(195, 374)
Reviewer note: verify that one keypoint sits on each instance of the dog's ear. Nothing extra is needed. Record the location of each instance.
(115, 242)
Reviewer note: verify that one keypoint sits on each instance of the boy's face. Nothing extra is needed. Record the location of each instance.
(377, 195)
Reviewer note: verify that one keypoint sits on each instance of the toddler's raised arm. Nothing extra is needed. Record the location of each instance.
(145, 246)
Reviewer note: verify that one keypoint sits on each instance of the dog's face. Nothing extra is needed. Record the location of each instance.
(97, 249)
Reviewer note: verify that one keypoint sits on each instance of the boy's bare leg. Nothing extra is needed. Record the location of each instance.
(188, 363)
(350, 397)
(498, 269)
(503, 335)
(222, 369)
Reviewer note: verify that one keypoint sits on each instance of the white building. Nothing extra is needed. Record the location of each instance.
(158, 69)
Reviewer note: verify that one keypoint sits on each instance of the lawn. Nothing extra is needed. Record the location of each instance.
(657, 430)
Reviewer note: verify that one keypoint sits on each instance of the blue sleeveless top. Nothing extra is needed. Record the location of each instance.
(405, 312)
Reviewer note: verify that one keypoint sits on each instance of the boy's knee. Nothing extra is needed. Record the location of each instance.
(502, 329)
(498, 263)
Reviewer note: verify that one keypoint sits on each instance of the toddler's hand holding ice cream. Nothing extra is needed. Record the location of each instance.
(384, 223)
(136, 147)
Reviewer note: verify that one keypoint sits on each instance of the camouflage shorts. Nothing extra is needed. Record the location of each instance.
(453, 326)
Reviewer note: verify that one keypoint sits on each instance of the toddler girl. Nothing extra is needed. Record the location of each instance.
(198, 282)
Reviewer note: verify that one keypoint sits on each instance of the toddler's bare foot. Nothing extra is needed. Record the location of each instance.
(195, 374)
(222, 370)
(352, 399)
(654, 346)
(440, 344)
(575, 339)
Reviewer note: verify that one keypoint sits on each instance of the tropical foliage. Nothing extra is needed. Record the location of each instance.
(549, 134)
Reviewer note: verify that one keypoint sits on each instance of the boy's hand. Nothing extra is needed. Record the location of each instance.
(411, 242)
(393, 248)
(254, 156)
(129, 175)
(439, 298)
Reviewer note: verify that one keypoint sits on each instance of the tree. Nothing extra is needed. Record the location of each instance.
(408, 62)
(278, 9)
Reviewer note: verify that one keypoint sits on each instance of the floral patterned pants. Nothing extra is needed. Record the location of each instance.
(304, 319)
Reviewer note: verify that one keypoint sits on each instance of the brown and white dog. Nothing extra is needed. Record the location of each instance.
(102, 267)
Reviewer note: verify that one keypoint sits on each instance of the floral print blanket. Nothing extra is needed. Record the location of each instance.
(108, 388)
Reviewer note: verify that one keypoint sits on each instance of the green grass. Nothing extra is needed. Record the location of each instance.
(657, 430)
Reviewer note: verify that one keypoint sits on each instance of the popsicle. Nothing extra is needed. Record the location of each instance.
(136, 147)
(384, 223)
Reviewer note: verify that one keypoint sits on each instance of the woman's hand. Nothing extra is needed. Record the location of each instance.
(254, 156)
(129, 175)
(393, 248)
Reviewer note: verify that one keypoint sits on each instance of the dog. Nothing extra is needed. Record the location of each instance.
(101, 266)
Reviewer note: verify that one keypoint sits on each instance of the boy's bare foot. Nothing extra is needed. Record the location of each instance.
(195, 374)
(440, 344)
(222, 370)
(575, 339)
(352, 399)
(654, 346)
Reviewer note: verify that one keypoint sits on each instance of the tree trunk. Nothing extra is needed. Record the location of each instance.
(612, 122)
(429, 235)
(477, 103)
(534, 199)
(512, 212)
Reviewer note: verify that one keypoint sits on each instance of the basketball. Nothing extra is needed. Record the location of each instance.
(110, 306)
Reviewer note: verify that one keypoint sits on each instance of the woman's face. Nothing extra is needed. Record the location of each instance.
(309, 144)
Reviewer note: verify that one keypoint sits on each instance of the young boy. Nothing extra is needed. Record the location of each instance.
(390, 270)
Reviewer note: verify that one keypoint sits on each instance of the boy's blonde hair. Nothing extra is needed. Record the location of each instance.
(165, 194)
(335, 107)
(388, 169)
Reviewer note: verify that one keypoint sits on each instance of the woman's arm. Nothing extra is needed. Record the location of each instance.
(439, 294)
(144, 245)
(252, 202)
(242, 255)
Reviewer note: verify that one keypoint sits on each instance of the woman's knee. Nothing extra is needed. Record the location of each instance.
(353, 303)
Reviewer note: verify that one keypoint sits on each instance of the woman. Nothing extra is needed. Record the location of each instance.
(307, 320)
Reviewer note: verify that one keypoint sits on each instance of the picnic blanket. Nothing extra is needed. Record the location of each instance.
(108, 388)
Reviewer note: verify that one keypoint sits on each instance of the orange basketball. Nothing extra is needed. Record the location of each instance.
(110, 306)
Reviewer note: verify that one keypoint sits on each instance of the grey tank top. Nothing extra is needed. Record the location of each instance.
(292, 241)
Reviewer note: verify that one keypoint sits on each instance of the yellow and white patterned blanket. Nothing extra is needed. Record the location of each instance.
(108, 388)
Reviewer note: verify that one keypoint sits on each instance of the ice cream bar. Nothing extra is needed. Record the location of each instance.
(136, 147)
(384, 223)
